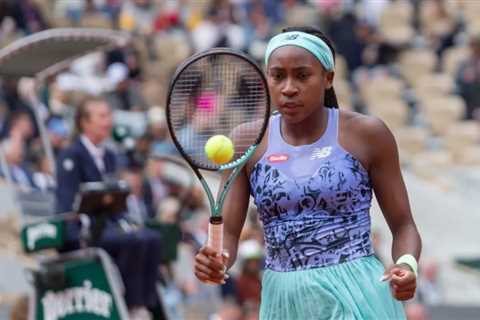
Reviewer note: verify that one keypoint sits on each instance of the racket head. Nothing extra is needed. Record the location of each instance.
(217, 92)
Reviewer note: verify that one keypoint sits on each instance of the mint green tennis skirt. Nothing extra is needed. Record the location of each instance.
(350, 290)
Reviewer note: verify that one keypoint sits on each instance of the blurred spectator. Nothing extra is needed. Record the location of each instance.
(139, 202)
(58, 132)
(85, 75)
(125, 94)
(138, 155)
(168, 210)
(14, 156)
(372, 11)
(157, 129)
(257, 29)
(27, 16)
(60, 99)
(123, 143)
(16, 104)
(138, 16)
(439, 24)
(8, 31)
(468, 80)
(162, 184)
(195, 231)
(248, 283)
(169, 16)
(130, 57)
(208, 33)
(194, 202)
(428, 289)
(253, 229)
(416, 311)
(352, 37)
(71, 10)
(43, 175)
(219, 28)
(174, 199)
(133, 62)
(228, 311)
(20, 126)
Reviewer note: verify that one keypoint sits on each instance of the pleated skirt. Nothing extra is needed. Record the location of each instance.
(350, 290)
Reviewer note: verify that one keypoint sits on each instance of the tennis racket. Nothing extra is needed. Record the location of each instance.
(217, 92)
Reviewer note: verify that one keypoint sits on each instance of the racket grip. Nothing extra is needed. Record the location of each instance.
(215, 234)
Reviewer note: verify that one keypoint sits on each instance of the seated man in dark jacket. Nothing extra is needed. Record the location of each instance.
(135, 251)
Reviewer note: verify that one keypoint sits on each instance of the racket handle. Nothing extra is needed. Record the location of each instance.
(215, 234)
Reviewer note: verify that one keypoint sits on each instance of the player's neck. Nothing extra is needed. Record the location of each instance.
(308, 130)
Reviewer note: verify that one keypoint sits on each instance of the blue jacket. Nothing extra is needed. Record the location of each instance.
(74, 166)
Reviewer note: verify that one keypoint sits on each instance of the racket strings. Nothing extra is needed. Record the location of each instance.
(217, 96)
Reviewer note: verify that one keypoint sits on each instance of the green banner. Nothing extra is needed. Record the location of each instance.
(87, 294)
(43, 235)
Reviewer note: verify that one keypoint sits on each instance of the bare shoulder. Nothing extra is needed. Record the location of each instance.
(363, 123)
(365, 126)
(366, 137)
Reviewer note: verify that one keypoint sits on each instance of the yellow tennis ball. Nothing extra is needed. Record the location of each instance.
(219, 149)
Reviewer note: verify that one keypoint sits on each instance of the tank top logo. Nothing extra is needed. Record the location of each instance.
(278, 157)
(320, 153)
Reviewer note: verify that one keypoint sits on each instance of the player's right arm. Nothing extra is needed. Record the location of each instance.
(209, 267)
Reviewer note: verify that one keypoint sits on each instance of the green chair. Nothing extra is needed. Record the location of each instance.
(83, 284)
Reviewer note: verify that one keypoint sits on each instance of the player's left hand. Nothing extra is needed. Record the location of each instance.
(403, 281)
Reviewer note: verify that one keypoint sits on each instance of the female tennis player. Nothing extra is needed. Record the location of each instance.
(312, 179)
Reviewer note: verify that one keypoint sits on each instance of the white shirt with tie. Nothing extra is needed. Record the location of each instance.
(97, 152)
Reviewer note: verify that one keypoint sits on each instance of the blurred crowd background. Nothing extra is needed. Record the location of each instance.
(413, 63)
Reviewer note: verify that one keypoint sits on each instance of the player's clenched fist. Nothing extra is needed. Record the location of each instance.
(210, 267)
(403, 281)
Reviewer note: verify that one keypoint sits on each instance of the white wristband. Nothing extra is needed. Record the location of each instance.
(409, 260)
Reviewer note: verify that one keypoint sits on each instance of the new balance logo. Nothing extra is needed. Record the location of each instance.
(320, 153)
(291, 37)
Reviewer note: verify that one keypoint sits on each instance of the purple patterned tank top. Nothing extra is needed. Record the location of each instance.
(313, 200)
